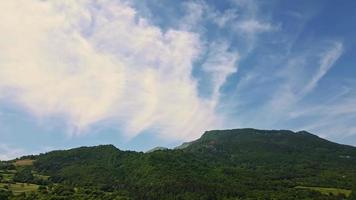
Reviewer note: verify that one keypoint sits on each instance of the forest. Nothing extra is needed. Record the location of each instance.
(233, 164)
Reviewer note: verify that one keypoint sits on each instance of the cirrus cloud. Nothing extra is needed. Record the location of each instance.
(91, 61)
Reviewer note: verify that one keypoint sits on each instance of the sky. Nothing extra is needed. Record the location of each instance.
(140, 74)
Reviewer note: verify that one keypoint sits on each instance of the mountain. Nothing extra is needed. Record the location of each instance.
(157, 149)
(222, 164)
(283, 144)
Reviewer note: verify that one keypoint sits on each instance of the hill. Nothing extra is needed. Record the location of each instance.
(284, 145)
(222, 164)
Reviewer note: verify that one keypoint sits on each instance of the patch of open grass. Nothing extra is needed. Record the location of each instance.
(25, 162)
(41, 176)
(19, 188)
(7, 177)
(327, 191)
(7, 174)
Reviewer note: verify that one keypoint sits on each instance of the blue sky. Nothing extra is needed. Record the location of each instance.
(140, 74)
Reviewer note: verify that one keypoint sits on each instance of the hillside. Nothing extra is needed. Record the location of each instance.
(222, 164)
(239, 144)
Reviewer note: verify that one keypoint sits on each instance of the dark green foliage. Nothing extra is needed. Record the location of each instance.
(6, 166)
(231, 164)
(68, 194)
(353, 193)
(4, 195)
(24, 175)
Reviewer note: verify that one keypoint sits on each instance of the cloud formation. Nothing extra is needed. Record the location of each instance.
(90, 61)
(285, 88)
(327, 61)
(7, 153)
(173, 68)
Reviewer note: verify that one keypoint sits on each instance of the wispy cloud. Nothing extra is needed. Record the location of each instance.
(7, 152)
(220, 63)
(296, 86)
(281, 87)
(333, 118)
(109, 62)
(91, 62)
(252, 26)
(327, 61)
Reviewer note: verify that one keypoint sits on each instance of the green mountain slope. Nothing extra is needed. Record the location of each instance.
(250, 144)
(226, 164)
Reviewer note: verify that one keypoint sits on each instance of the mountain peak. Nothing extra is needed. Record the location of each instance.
(249, 161)
(157, 149)
(237, 141)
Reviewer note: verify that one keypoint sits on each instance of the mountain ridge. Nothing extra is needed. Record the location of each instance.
(204, 135)
(221, 164)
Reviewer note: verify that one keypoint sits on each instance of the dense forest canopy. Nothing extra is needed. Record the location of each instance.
(228, 164)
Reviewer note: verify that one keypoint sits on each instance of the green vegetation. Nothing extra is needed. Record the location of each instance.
(231, 164)
(24, 175)
(23, 162)
(328, 191)
(18, 188)
(6, 176)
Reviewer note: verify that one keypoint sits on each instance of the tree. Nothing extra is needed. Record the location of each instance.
(24, 176)
(353, 192)
(62, 190)
(4, 195)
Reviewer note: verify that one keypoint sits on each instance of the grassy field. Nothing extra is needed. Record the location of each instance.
(7, 174)
(7, 177)
(11, 171)
(19, 188)
(25, 162)
(41, 176)
(327, 191)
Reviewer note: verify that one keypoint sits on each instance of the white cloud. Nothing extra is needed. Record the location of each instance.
(327, 60)
(333, 117)
(7, 153)
(222, 19)
(296, 86)
(253, 26)
(199, 12)
(282, 90)
(220, 63)
(250, 22)
(195, 12)
(90, 62)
